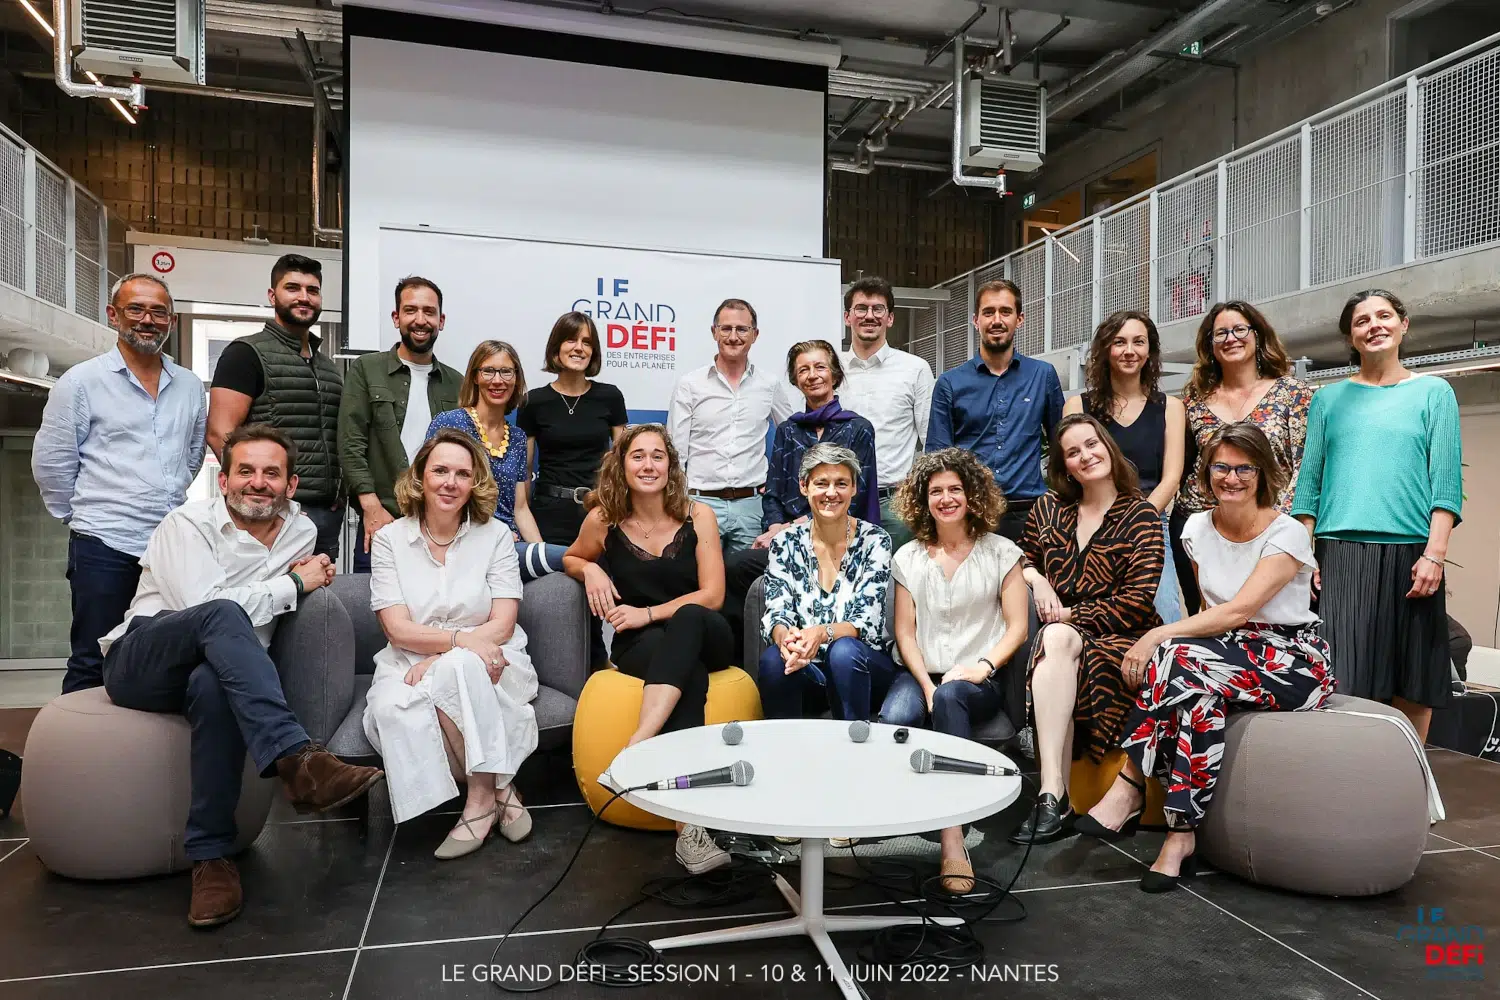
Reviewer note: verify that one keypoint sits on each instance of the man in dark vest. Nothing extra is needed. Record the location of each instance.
(278, 377)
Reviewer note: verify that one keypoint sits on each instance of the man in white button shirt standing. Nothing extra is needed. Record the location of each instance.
(719, 418)
(215, 576)
(892, 389)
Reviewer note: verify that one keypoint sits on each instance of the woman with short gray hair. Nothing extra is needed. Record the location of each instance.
(826, 587)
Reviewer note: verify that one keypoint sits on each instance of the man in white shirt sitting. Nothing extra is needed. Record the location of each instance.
(215, 575)
(888, 387)
(719, 418)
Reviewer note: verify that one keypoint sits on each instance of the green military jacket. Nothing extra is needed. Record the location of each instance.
(376, 387)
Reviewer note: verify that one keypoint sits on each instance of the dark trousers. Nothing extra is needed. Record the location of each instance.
(557, 518)
(853, 678)
(741, 570)
(1187, 579)
(680, 652)
(1013, 521)
(957, 707)
(103, 582)
(207, 664)
(330, 524)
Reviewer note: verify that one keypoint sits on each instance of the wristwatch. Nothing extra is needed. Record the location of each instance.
(985, 660)
(828, 629)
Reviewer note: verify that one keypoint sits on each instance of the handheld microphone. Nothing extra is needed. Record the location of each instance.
(859, 730)
(733, 732)
(923, 761)
(738, 773)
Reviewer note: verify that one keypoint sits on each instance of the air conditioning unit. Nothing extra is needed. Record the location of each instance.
(159, 41)
(1005, 124)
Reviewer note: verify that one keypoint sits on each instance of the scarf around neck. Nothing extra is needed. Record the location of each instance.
(828, 413)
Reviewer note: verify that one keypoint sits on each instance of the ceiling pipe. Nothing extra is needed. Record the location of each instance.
(319, 230)
(62, 69)
(1094, 85)
(865, 165)
(997, 183)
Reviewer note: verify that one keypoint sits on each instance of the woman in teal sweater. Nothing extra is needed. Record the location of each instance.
(1381, 488)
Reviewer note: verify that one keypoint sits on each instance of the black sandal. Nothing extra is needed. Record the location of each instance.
(1091, 827)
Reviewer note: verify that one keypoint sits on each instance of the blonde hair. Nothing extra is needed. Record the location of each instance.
(468, 393)
(484, 496)
(612, 495)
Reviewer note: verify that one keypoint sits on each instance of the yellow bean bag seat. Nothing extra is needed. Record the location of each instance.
(1088, 782)
(609, 709)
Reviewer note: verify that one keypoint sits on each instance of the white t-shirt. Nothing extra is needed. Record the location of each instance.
(1224, 566)
(418, 410)
(958, 620)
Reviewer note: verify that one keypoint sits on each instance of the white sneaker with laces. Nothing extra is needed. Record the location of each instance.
(697, 852)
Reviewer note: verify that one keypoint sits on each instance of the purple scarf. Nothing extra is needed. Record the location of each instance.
(826, 414)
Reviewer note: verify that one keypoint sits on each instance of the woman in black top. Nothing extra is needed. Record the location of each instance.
(1122, 374)
(662, 592)
(570, 424)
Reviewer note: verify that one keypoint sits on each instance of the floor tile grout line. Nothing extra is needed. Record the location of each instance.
(370, 914)
(1476, 850)
(177, 965)
(1266, 934)
(13, 850)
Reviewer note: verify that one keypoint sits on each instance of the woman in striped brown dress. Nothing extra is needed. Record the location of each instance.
(1094, 550)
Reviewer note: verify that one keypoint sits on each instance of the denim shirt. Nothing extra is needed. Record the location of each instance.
(1002, 419)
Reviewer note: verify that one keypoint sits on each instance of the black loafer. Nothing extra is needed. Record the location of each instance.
(1050, 819)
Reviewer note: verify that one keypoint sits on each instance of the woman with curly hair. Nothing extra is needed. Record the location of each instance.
(960, 610)
(451, 698)
(1122, 375)
(662, 593)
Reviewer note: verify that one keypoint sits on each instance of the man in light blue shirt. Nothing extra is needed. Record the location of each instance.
(122, 437)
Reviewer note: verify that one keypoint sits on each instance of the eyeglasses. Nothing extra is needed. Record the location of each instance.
(496, 374)
(743, 331)
(866, 310)
(138, 313)
(1242, 471)
(1237, 332)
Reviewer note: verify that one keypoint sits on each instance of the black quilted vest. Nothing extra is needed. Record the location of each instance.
(303, 400)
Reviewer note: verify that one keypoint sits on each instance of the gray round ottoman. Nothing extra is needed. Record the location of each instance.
(105, 790)
(1319, 802)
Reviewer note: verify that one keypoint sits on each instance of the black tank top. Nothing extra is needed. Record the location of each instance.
(1143, 442)
(644, 580)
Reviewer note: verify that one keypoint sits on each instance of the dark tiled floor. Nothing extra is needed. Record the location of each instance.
(343, 908)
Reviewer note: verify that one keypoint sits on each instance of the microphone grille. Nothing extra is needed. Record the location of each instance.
(921, 761)
(733, 733)
(859, 730)
(741, 772)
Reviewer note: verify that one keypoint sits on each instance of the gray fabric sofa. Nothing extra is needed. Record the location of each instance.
(335, 632)
(1002, 729)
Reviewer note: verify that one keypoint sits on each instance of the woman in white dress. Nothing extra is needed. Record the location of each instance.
(452, 694)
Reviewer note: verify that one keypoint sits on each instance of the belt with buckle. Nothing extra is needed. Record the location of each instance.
(729, 493)
(573, 493)
(886, 492)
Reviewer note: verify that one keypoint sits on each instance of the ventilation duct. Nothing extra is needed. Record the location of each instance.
(150, 40)
(1005, 124)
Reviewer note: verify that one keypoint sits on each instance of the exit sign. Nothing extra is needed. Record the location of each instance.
(1029, 201)
(1193, 49)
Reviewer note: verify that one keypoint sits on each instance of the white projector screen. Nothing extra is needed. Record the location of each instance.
(653, 308)
(456, 138)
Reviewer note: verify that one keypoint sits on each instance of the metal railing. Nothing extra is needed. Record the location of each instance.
(1405, 172)
(55, 237)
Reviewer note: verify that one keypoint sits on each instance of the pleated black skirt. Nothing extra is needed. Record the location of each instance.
(1384, 643)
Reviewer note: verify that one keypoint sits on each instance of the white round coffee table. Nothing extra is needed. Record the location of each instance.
(813, 782)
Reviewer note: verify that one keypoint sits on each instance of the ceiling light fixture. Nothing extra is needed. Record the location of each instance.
(37, 16)
(124, 111)
(52, 33)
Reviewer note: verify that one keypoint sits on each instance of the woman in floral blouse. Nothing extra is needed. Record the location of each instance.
(826, 588)
(1242, 373)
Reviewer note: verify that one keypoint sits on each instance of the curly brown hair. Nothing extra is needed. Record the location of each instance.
(1097, 379)
(1271, 359)
(985, 501)
(612, 495)
(484, 496)
(1065, 486)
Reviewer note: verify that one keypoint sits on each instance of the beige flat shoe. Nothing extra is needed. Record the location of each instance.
(518, 829)
(452, 847)
(957, 876)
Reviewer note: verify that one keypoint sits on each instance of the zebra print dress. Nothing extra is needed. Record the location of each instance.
(1111, 588)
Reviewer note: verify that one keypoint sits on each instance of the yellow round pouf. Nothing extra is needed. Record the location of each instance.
(1088, 782)
(609, 709)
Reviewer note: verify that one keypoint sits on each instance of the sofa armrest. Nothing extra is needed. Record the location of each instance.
(755, 610)
(555, 617)
(313, 649)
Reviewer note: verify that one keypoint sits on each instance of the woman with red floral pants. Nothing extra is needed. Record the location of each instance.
(1255, 645)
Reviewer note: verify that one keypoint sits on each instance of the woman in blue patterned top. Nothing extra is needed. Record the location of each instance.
(494, 385)
(826, 590)
(813, 367)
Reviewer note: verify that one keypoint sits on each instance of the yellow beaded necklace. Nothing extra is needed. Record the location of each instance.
(484, 439)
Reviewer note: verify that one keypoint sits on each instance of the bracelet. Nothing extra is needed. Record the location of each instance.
(455, 639)
(1436, 562)
(986, 661)
(297, 582)
(649, 616)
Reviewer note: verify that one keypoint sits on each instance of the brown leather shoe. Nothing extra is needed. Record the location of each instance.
(317, 781)
(216, 893)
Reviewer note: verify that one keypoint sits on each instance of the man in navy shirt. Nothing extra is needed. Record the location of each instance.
(1000, 405)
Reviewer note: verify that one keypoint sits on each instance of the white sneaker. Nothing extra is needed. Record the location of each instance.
(697, 852)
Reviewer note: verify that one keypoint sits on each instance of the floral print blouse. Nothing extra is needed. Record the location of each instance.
(795, 598)
(1281, 414)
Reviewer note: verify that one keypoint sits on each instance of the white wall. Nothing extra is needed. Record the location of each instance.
(485, 142)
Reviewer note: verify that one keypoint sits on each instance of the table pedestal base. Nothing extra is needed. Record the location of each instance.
(809, 920)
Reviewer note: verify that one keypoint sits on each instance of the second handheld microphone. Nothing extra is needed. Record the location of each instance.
(738, 773)
(923, 761)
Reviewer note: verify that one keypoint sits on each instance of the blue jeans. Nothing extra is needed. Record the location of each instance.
(330, 524)
(1167, 604)
(739, 521)
(103, 582)
(957, 707)
(893, 525)
(853, 677)
(207, 664)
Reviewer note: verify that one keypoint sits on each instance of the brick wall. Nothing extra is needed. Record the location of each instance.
(193, 166)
